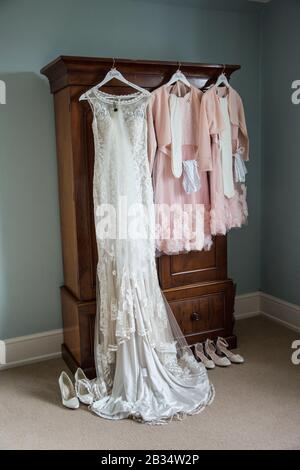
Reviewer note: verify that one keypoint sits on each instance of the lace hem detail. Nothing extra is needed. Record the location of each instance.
(230, 213)
(176, 247)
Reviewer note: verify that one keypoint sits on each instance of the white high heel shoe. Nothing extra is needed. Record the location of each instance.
(83, 388)
(68, 394)
(222, 347)
(209, 364)
(210, 351)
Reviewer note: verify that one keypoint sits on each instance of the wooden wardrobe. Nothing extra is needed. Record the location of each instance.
(195, 284)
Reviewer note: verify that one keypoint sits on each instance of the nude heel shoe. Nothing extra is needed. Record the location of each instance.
(68, 394)
(83, 388)
(210, 351)
(209, 364)
(222, 347)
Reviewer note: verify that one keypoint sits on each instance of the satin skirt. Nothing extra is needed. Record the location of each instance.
(144, 389)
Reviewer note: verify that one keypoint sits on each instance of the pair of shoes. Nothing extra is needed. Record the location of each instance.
(71, 395)
(210, 355)
(222, 348)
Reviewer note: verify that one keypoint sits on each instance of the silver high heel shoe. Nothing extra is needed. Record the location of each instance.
(68, 394)
(199, 351)
(83, 387)
(222, 347)
(210, 351)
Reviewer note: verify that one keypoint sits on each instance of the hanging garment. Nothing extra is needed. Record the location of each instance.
(227, 189)
(179, 176)
(176, 114)
(226, 150)
(145, 370)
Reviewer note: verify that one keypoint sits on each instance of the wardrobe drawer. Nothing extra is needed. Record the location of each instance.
(203, 311)
(197, 266)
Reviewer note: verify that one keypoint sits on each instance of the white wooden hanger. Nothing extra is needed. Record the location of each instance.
(222, 79)
(178, 77)
(114, 73)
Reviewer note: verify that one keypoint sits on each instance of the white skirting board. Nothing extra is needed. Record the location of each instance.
(247, 305)
(283, 312)
(43, 346)
(32, 348)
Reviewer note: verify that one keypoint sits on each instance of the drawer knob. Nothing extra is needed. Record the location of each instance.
(195, 316)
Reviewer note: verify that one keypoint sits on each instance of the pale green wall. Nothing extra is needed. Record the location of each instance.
(34, 32)
(281, 152)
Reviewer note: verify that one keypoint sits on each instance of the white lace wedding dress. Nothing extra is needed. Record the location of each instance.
(145, 369)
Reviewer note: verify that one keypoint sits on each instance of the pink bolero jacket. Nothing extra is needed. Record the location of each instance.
(212, 124)
(159, 126)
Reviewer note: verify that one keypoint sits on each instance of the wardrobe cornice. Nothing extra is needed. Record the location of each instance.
(86, 71)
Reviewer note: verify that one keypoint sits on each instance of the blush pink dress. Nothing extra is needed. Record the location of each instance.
(226, 212)
(186, 227)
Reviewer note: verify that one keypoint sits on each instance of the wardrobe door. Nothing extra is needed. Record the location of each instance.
(83, 165)
(197, 266)
(90, 250)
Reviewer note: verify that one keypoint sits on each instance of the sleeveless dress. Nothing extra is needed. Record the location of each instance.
(145, 370)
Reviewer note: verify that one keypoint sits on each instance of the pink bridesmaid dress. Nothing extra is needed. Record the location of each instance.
(179, 173)
(222, 118)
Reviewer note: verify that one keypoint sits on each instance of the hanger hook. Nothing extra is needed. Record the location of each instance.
(114, 62)
(224, 68)
(179, 65)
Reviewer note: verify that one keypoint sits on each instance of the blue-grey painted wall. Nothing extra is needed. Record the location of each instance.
(33, 33)
(281, 152)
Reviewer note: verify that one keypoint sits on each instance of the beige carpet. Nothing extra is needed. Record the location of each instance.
(257, 405)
